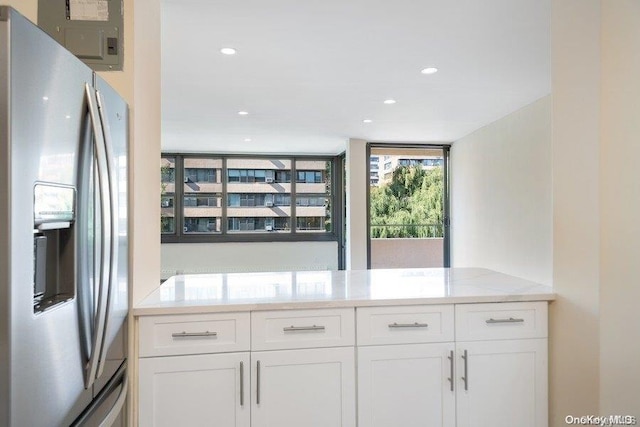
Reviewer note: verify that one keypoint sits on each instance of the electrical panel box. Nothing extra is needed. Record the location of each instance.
(90, 29)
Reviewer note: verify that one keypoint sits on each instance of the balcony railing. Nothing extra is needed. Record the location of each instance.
(389, 231)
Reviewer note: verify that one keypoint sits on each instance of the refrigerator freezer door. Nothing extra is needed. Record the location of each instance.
(108, 408)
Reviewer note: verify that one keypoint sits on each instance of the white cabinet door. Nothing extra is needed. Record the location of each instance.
(198, 390)
(503, 384)
(406, 385)
(310, 388)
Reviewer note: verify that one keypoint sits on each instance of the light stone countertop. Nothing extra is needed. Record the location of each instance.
(208, 293)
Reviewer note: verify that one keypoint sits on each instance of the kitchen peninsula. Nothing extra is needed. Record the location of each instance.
(438, 347)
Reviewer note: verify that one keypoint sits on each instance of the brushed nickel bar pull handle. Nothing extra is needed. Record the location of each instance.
(258, 382)
(303, 328)
(241, 383)
(408, 325)
(194, 334)
(465, 378)
(509, 320)
(450, 379)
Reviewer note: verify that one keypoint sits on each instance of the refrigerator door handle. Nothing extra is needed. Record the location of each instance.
(117, 407)
(106, 234)
(114, 229)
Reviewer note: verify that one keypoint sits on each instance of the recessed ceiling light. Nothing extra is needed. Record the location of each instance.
(228, 51)
(68, 116)
(45, 98)
(367, 121)
(429, 70)
(389, 101)
(243, 113)
(247, 140)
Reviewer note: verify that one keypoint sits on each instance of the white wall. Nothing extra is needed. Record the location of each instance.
(574, 317)
(620, 208)
(501, 207)
(356, 185)
(178, 258)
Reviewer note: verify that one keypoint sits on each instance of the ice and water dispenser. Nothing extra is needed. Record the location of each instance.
(53, 245)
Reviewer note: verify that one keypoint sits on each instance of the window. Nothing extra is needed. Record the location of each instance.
(310, 223)
(408, 207)
(196, 201)
(200, 225)
(313, 196)
(281, 200)
(283, 176)
(167, 189)
(258, 224)
(201, 208)
(168, 174)
(241, 198)
(167, 219)
(258, 175)
(309, 176)
(311, 201)
(199, 175)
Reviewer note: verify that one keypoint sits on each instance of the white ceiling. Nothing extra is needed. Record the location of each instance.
(308, 72)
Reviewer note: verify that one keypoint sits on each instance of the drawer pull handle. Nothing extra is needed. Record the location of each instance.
(509, 320)
(303, 328)
(408, 325)
(194, 334)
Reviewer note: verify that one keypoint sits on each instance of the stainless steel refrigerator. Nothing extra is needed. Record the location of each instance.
(63, 235)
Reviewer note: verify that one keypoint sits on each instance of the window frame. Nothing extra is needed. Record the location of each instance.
(246, 236)
(446, 167)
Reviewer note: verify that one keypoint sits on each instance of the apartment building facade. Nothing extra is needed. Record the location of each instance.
(235, 195)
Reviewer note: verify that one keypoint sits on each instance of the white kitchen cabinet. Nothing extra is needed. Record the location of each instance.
(502, 384)
(501, 360)
(310, 387)
(441, 365)
(406, 385)
(195, 390)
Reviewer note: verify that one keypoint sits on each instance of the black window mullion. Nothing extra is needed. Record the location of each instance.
(294, 196)
(179, 196)
(223, 179)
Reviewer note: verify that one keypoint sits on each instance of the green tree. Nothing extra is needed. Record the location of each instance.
(406, 205)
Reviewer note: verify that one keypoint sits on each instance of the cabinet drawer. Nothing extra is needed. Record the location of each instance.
(275, 330)
(501, 321)
(405, 325)
(193, 334)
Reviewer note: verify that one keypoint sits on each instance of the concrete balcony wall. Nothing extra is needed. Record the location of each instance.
(258, 211)
(258, 187)
(201, 187)
(407, 253)
(202, 212)
(268, 164)
(311, 211)
(317, 165)
(311, 188)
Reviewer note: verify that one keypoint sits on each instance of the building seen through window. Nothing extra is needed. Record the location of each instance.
(226, 195)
